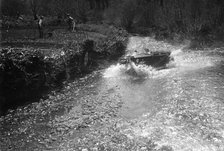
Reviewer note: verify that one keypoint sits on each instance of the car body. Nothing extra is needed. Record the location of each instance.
(154, 59)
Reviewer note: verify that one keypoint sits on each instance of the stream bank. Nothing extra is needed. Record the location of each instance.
(31, 68)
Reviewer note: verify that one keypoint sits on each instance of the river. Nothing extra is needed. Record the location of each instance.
(180, 108)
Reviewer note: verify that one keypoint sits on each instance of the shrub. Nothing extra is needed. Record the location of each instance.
(27, 73)
(128, 14)
(23, 74)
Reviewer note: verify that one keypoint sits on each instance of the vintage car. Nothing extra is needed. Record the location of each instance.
(154, 59)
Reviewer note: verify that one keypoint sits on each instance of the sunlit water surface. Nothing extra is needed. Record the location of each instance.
(181, 106)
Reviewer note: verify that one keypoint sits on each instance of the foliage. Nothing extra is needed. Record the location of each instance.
(128, 14)
(28, 72)
(193, 17)
(23, 73)
(13, 7)
(81, 11)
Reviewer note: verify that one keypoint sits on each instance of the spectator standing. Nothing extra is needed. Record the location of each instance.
(40, 27)
(71, 23)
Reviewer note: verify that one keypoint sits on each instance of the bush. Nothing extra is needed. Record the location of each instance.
(81, 11)
(23, 74)
(128, 14)
(28, 73)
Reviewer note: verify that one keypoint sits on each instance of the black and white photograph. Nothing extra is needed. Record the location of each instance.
(112, 75)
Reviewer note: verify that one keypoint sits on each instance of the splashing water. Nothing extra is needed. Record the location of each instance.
(176, 52)
(183, 61)
(130, 71)
(115, 71)
(181, 106)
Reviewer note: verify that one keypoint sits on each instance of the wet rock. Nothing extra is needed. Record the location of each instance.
(144, 148)
(118, 139)
(166, 148)
(95, 149)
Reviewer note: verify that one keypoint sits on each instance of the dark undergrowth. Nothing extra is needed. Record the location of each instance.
(28, 74)
(199, 40)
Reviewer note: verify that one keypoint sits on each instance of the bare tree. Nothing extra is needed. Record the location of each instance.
(34, 8)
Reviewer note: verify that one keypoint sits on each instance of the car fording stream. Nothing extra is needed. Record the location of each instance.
(181, 106)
